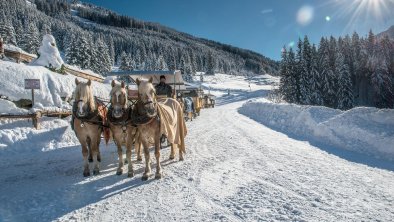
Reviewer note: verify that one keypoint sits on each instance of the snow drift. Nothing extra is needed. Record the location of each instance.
(54, 86)
(364, 130)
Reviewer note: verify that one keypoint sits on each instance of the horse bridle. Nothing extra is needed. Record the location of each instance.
(88, 118)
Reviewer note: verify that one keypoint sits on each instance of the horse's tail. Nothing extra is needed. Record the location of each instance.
(107, 135)
(103, 111)
(182, 129)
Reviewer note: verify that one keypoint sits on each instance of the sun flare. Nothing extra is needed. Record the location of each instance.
(362, 10)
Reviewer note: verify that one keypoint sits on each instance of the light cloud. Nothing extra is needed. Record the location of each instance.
(266, 11)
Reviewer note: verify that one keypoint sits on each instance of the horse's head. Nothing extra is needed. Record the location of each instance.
(147, 97)
(118, 99)
(84, 98)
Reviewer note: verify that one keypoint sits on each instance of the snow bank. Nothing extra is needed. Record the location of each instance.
(54, 86)
(10, 107)
(49, 54)
(363, 130)
(19, 136)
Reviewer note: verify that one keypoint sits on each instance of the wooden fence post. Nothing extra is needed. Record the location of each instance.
(36, 120)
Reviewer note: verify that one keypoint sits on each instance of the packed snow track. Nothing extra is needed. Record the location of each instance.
(235, 170)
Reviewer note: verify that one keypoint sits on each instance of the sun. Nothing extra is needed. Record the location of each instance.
(362, 10)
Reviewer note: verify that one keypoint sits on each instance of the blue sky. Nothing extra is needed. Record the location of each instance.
(261, 25)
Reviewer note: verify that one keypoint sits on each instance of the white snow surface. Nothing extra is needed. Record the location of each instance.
(235, 169)
(49, 54)
(364, 130)
(54, 86)
(10, 107)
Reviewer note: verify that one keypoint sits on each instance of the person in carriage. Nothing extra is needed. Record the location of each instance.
(163, 89)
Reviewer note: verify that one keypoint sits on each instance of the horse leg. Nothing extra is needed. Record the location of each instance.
(95, 151)
(85, 154)
(138, 149)
(158, 174)
(129, 146)
(180, 152)
(147, 172)
(119, 171)
(90, 153)
(98, 148)
(137, 145)
(172, 154)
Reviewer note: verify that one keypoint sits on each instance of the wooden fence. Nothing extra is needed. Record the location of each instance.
(35, 117)
(83, 74)
(18, 56)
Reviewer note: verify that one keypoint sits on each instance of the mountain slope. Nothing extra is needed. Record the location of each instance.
(77, 26)
(389, 33)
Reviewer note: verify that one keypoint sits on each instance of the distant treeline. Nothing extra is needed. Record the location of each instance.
(340, 73)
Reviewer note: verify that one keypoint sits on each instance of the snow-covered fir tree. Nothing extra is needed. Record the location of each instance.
(345, 94)
(161, 64)
(7, 31)
(31, 38)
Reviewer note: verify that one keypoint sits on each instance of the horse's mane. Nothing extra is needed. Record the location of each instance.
(145, 83)
(84, 92)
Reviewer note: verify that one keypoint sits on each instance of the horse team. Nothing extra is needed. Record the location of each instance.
(142, 125)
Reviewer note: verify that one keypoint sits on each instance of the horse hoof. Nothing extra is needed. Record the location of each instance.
(126, 162)
(96, 172)
(99, 158)
(158, 176)
(119, 172)
(145, 178)
(172, 157)
(130, 174)
(86, 174)
(181, 158)
(90, 159)
(139, 159)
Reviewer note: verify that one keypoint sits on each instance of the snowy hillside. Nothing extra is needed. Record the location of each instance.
(54, 86)
(246, 160)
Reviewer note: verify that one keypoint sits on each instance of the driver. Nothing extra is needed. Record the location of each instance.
(163, 89)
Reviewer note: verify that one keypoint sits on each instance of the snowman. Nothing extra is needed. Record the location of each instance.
(49, 54)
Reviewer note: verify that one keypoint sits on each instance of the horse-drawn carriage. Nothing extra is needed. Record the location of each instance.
(193, 94)
(132, 116)
(209, 101)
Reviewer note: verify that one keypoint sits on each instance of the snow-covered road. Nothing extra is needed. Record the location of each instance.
(235, 170)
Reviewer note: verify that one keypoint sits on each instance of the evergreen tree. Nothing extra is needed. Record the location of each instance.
(315, 87)
(31, 39)
(7, 31)
(327, 75)
(161, 64)
(305, 72)
(210, 64)
(345, 94)
(293, 89)
(104, 58)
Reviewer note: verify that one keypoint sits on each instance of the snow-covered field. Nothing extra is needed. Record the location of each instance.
(246, 161)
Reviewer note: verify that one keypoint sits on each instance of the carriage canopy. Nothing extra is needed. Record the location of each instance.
(173, 78)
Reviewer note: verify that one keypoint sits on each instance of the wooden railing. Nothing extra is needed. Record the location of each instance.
(81, 74)
(35, 117)
(18, 56)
